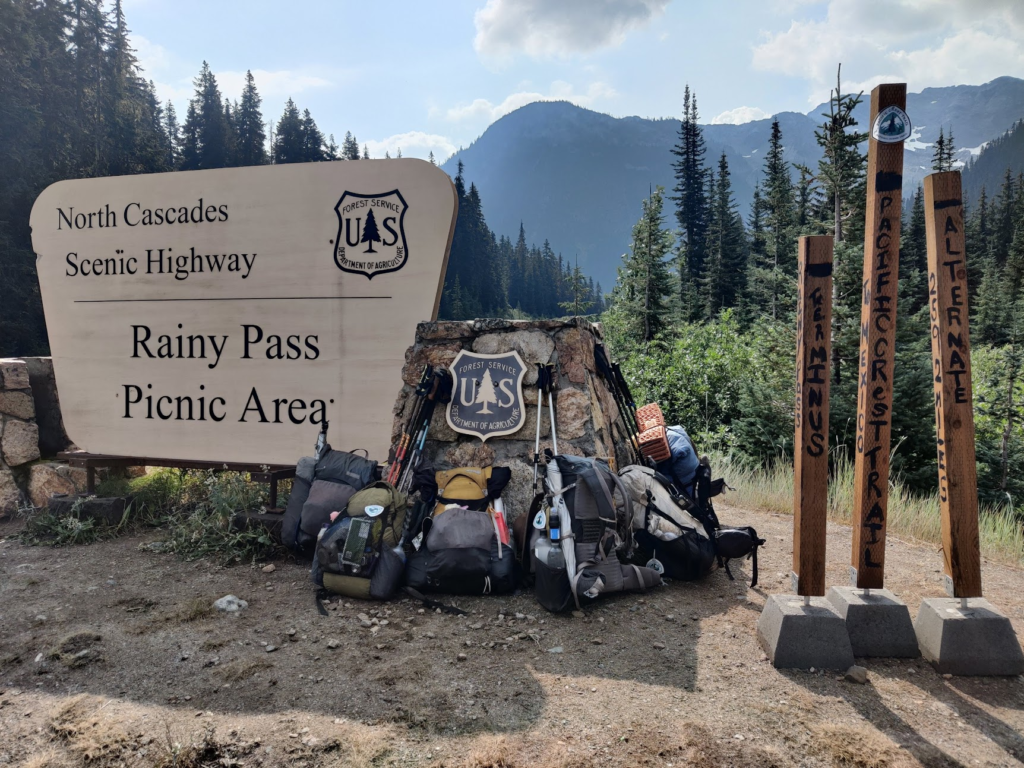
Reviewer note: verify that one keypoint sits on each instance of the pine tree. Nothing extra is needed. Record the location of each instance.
(370, 233)
(349, 147)
(290, 141)
(312, 139)
(331, 151)
(939, 154)
(914, 259)
(950, 149)
(366, 153)
(841, 168)
(173, 132)
(690, 197)
(250, 137)
(724, 279)
(206, 124)
(639, 302)
(771, 287)
(431, 158)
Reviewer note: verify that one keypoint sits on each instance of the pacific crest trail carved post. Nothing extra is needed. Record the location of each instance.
(813, 357)
(951, 354)
(877, 340)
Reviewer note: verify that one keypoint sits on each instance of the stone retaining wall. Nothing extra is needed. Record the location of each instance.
(31, 428)
(587, 418)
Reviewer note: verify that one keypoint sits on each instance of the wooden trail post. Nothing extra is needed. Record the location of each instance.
(878, 332)
(954, 403)
(813, 360)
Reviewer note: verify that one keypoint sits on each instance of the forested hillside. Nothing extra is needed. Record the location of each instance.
(703, 310)
(74, 103)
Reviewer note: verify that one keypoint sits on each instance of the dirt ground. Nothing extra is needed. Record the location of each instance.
(110, 655)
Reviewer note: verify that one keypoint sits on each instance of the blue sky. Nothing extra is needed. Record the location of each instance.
(432, 76)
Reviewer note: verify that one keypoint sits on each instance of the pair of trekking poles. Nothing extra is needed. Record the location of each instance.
(612, 374)
(435, 386)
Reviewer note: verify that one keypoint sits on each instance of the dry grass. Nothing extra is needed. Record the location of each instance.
(87, 734)
(857, 747)
(75, 650)
(242, 669)
(910, 516)
(195, 609)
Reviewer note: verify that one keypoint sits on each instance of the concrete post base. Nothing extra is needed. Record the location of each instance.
(879, 623)
(798, 636)
(975, 641)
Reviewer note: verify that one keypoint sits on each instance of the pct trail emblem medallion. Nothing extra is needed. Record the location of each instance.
(891, 126)
(371, 233)
(487, 394)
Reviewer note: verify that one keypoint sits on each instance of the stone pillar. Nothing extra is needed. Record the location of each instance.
(19, 436)
(588, 422)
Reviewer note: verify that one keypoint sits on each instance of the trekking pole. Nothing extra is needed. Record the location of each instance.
(629, 426)
(549, 385)
(321, 440)
(402, 446)
(441, 392)
(540, 411)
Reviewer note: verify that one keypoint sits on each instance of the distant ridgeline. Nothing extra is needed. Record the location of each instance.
(492, 277)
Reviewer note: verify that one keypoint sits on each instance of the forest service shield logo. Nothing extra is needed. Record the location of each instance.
(371, 233)
(487, 394)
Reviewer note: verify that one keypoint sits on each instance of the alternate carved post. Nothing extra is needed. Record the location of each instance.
(877, 343)
(813, 359)
(954, 403)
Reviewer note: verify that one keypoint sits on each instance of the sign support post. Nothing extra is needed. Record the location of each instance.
(878, 622)
(810, 464)
(878, 334)
(958, 637)
(804, 630)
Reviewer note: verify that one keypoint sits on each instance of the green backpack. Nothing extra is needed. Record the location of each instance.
(358, 554)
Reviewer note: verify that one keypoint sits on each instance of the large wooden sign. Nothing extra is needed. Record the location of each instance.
(878, 332)
(221, 315)
(813, 355)
(954, 402)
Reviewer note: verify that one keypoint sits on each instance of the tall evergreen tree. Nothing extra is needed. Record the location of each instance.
(724, 279)
(290, 141)
(841, 168)
(690, 197)
(639, 302)
(173, 133)
(349, 147)
(770, 278)
(250, 139)
(312, 139)
(206, 125)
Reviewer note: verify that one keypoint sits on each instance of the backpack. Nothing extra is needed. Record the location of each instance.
(320, 488)
(359, 554)
(663, 528)
(591, 538)
(464, 544)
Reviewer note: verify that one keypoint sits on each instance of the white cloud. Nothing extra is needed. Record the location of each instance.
(488, 112)
(558, 28)
(414, 144)
(739, 116)
(923, 42)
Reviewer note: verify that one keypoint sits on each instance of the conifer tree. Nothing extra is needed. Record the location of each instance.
(312, 139)
(173, 133)
(770, 279)
(349, 147)
(331, 151)
(366, 152)
(431, 158)
(724, 278)
(914, 259)
(290, 141)
(939, 154)
(690, 197)
(841, 168)
(639, 301)
(250, 138)
(206, 124)
(486, 395)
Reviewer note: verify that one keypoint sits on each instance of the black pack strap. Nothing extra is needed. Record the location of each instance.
(652, 507)
(321, 595)
(433, 604)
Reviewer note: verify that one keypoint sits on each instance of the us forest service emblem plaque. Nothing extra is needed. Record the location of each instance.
(487, 395)
(371, 233)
